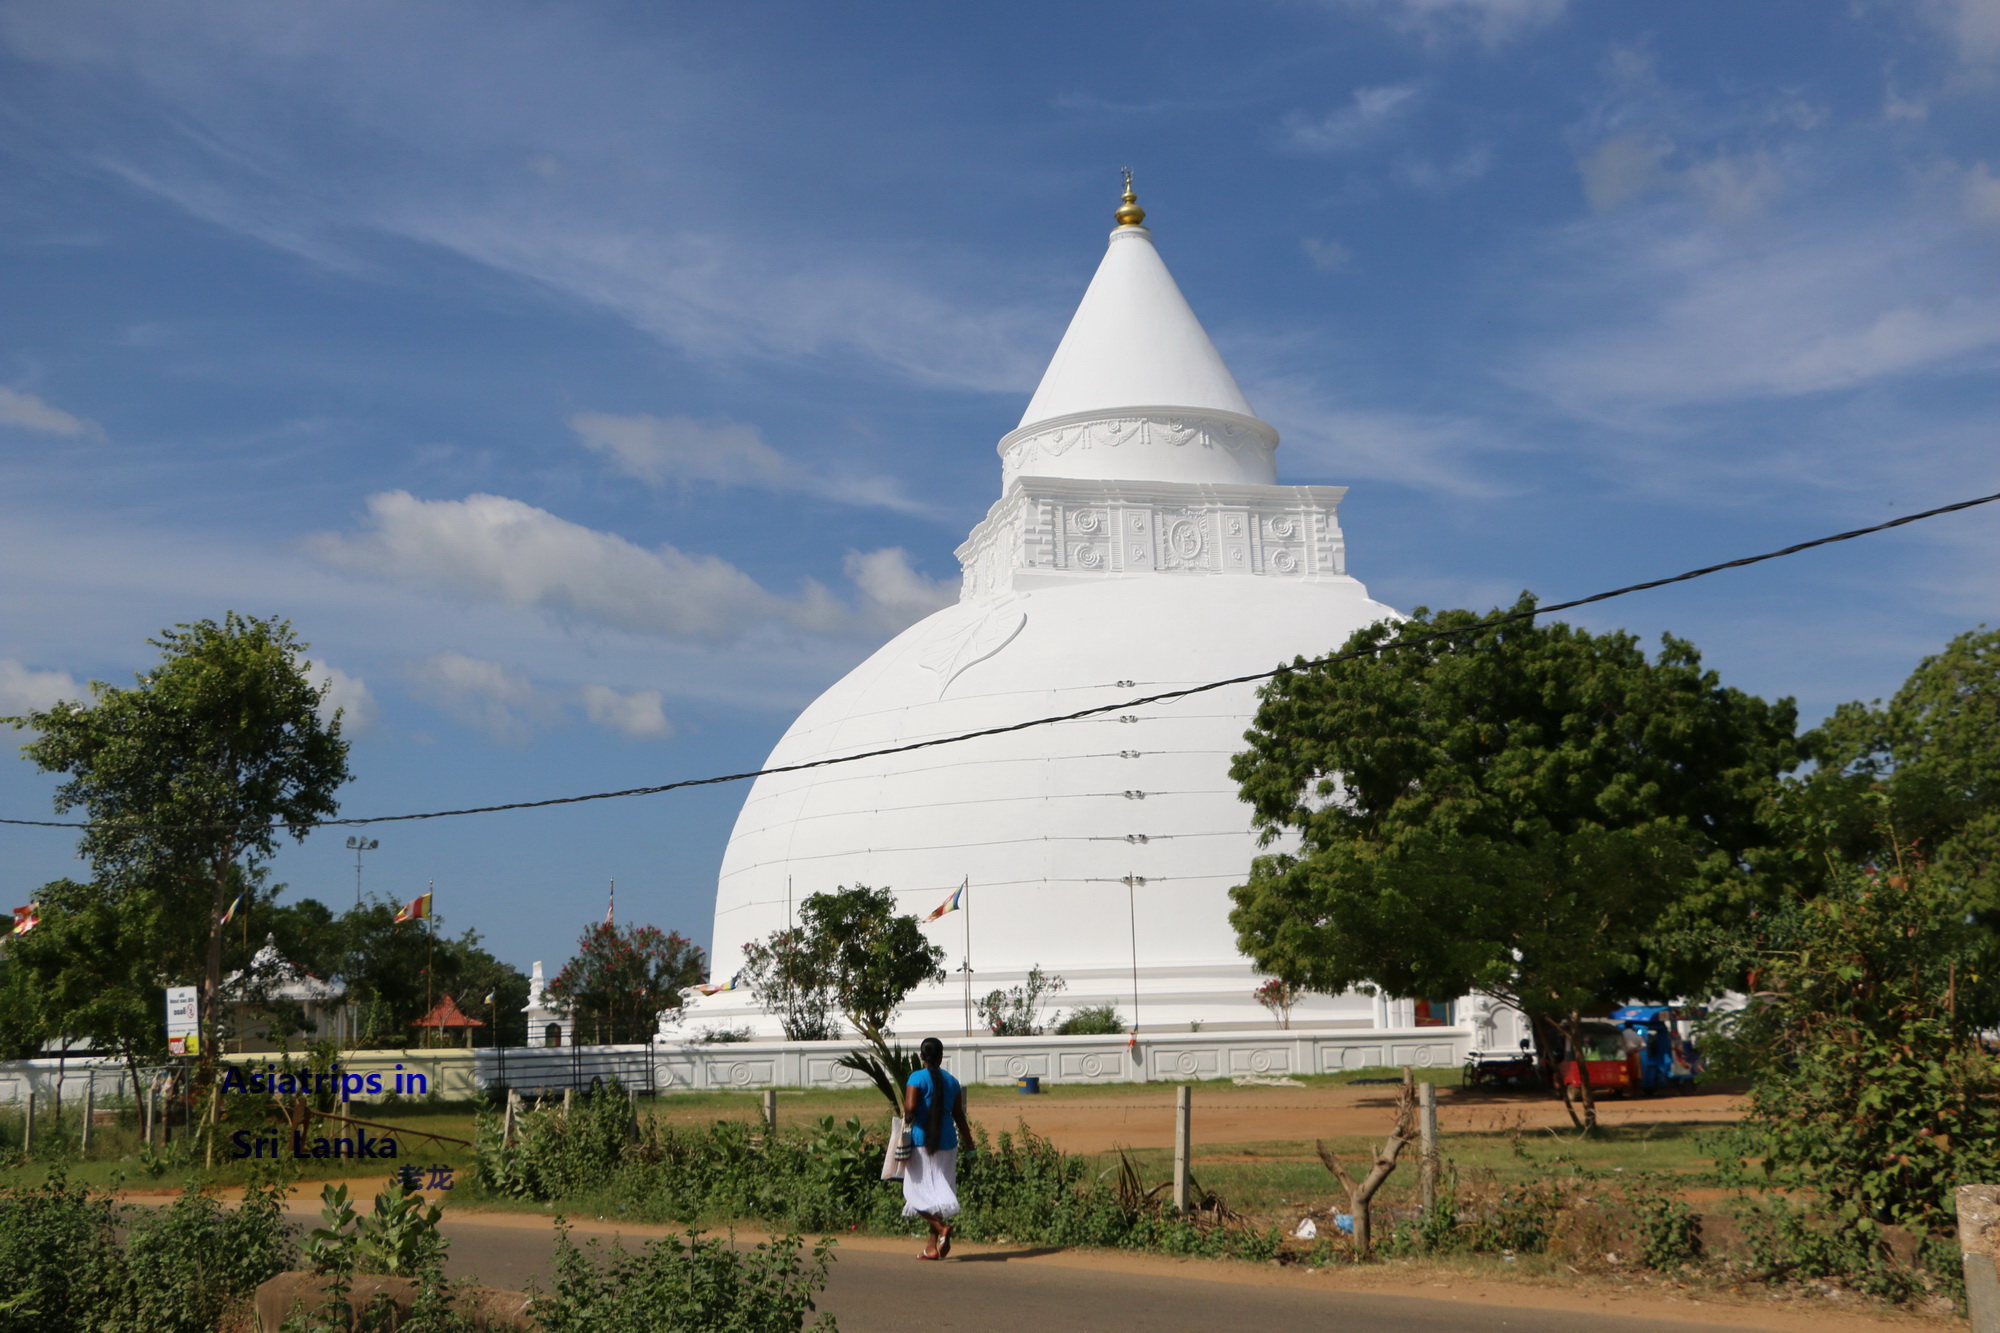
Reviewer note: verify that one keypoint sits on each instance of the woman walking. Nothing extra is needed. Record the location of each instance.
(934, 1109)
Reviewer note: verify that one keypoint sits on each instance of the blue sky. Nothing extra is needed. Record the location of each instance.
(592, 384)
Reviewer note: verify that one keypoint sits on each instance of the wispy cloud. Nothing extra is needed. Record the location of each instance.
(623, 205)
(637, 715)
(1373, 112)
(347, 695)
(24, 690)
(1490, 21)
(27, 412)
(492, 548)
(483, 695)
(1699, 317)
(676, 450)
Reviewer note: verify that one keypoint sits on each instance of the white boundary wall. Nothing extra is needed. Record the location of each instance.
(737, 1066)
(1167, 1057)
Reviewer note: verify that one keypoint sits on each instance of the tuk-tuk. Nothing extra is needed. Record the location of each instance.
(1606, 1061)
(1667, 1060)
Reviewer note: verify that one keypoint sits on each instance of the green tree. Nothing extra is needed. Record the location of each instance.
(1870, 1092)
(794, 983)
(1515, 810)
(189, 776)
(394, 973)
(623, 977)
(1927, 763)
(851, 951)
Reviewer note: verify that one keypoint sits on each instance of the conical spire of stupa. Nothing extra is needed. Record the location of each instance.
(1135, 354)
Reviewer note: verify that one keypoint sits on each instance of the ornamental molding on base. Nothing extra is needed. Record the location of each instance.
(1054, 446)
(1051, 530)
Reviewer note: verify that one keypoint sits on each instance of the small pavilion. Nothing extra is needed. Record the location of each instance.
(446, 1015)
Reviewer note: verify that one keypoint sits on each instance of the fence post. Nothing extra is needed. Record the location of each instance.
(89, 1109)
(507, 1129)
(569, 1099)
(1978, 1233)
(1427, 1132)
(146, 1100)
(28, 1127)
(771, 1109)
(1183, 1127)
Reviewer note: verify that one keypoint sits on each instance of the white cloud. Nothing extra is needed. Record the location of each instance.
(1622, 168)
(1326, 255)
(893, 593)
(27, 691)
(638, 715)
(663, 451)
(1972, 25)
(659, 450)
(348, 694)
(497, 549)
(1443, 177)
(1982, 194)
(1673, 318)
(1326, 436)
(1491, 21)
(30, 413)
(483, 695)
(1343, 131)
(638, 212)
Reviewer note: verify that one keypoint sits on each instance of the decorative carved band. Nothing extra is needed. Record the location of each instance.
(1143, 428)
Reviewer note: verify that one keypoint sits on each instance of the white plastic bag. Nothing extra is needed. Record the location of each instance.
(897, 1158)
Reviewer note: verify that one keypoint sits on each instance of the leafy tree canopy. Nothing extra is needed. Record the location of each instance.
(1514, 810)
(622, 978)
(851, 951)
(1870, 1092)
(1928, 763)
(188, 776)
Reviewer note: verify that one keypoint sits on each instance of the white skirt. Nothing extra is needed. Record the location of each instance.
(930, 1183)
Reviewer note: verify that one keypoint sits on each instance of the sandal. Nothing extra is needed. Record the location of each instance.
(927, 1254)
(944, 1244)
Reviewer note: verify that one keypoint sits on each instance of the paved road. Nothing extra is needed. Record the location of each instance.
(996, 1289)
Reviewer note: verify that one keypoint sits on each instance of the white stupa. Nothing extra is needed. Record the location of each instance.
(1141, 542)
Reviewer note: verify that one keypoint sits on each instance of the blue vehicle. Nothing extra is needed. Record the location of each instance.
(1667, 1060)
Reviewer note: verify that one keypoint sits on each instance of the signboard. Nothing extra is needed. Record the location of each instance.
(183, 1021)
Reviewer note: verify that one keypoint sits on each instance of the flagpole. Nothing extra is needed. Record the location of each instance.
(430, 915)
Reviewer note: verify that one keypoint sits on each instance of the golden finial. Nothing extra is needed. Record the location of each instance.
(1129, 213)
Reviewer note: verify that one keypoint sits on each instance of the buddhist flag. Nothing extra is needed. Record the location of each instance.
(230, 915)
(27, 918)
(951, 904)
(416, 909)
(717, 987)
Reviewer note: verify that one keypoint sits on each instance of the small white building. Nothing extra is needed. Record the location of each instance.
(250, 995)
(546, 1026)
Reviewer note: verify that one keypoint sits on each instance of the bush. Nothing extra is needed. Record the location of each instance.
(179, 1271)
(1869, 1090)
(692, 1283)
(1094, 1020)
(557, 1152)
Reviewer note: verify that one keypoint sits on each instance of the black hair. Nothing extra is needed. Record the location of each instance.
(932, 1054)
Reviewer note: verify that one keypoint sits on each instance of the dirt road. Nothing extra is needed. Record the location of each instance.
(879, 1287)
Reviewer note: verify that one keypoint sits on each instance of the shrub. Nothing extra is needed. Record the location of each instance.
(1017, 1011)
(691, 1283)
(557, 1152)
(179, 1271)
(1093, 1020)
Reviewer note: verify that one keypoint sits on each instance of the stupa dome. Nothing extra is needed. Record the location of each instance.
(1140, 544)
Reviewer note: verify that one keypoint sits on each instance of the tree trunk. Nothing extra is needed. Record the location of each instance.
(1574, 1029)
(1361, 1193)
(211, 982)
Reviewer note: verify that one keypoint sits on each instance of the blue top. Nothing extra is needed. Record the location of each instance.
(922, 1081)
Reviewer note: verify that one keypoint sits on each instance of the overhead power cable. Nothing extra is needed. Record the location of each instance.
(1167, 696)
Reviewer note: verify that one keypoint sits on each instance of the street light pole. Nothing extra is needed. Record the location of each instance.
(358, 846)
